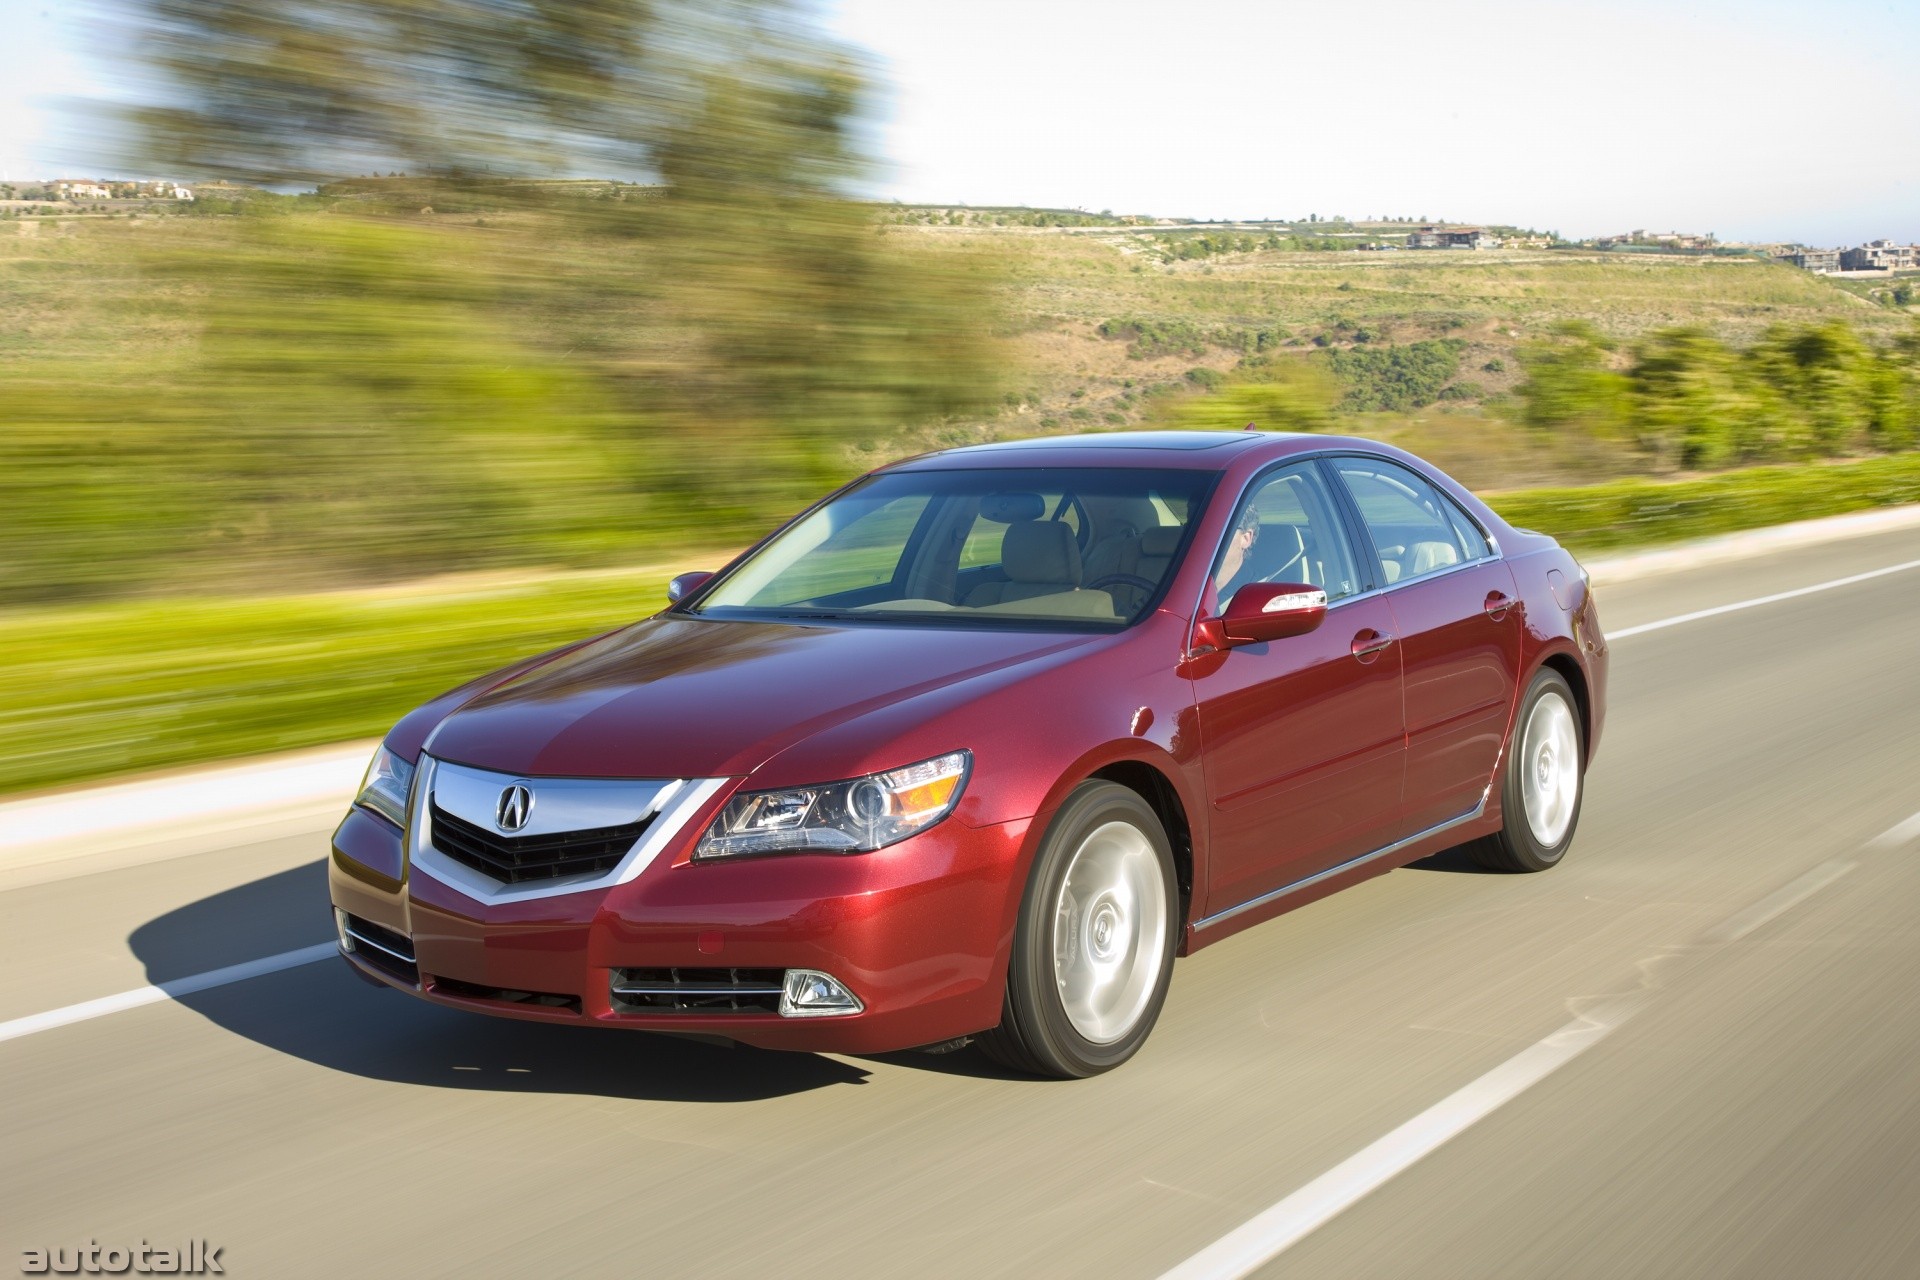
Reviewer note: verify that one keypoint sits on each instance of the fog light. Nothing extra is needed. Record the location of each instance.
(812, 994)
(340, 929)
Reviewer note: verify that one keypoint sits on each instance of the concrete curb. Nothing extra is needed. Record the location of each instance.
(160, 809)
(166, 813)
(1726, 548)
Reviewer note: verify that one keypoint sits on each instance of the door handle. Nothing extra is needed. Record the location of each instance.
(1497, 604)
(1370, 644)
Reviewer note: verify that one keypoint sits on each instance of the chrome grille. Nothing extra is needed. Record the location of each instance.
(517, 860)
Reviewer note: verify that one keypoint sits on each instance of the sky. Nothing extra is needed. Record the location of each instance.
(1752, 119)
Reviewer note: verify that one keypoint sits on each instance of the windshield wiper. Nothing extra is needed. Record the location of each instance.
(820, 615)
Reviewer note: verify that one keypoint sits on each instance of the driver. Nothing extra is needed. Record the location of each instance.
(1234, 571)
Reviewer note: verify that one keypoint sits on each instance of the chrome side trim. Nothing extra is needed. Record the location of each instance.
(691, 990)
(1361, 861)
(672, 808)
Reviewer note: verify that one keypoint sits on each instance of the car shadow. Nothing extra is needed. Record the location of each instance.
(1456, 860)
(323, 1014)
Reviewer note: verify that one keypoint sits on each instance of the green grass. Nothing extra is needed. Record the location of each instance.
(94, 690)
(1636, 513)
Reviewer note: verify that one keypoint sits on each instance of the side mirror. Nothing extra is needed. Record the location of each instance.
(1263, 611)
(686, 584)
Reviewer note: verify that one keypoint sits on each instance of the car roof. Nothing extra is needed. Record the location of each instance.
(1196, 450)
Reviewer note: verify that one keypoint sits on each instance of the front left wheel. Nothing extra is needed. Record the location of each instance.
(1093, 946)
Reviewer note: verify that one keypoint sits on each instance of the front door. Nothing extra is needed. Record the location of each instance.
(1302, 738)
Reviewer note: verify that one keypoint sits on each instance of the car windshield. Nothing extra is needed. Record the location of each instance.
(1087, 548)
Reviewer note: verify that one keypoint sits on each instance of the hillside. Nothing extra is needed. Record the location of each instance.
(1099, 325)
(1085, 301)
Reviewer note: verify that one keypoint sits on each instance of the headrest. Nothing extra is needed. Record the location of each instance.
(1041, 551)
(1010, 508)
(1119, 513)
(1285, 539)
(1161, 540)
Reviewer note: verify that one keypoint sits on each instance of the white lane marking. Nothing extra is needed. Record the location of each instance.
(1897, 834)
(173, 990)
(1257, 1242)
(1779, 902)
(1267, 1235)
(1755, 603)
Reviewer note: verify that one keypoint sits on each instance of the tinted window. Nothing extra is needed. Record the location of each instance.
(1415, 530)
(1470, 536)
(1286, 530)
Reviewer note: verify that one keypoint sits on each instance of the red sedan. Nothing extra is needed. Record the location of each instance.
(974, 747)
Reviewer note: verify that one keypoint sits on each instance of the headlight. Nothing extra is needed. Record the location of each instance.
(855, 816)
(385, 789)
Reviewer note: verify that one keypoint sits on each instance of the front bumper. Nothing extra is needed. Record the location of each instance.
(918, 931)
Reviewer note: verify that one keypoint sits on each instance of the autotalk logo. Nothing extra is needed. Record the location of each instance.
(197, 1258)
(515, 807)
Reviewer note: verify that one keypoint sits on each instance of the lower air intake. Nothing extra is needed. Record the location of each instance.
(697, 991)
(378, 947)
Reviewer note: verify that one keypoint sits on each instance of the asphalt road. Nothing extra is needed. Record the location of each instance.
(1753, 1110)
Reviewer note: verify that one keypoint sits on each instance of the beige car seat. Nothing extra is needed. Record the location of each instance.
(1428, 556)
(1039, 557)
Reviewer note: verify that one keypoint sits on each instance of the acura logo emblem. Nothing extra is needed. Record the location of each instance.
(515, 807)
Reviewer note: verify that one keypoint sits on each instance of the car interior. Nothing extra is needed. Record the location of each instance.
(1415, 530)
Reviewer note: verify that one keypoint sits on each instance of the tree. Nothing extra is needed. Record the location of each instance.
(1291, 395)
(1572, 384)
(589, 377)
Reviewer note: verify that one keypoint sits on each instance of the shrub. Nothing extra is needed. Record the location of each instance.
(1206, 379)
(1395, 378)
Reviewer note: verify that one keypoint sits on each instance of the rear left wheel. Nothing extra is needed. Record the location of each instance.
(1544, 782)
(1093, 946)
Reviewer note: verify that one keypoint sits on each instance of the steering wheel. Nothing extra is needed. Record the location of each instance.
(1122, 580)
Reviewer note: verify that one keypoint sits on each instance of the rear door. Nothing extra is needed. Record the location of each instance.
(1459, 630)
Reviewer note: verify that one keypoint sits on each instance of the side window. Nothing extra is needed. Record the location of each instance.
(1286, 530)
(1414, 528)
(1470, 536)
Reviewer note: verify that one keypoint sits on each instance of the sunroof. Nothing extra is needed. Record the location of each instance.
(1183, 441)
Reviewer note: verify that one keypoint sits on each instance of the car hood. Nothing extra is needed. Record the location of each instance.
(686, 697)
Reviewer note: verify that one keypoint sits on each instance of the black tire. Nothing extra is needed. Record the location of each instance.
(1516, 846)
(1036, 1035)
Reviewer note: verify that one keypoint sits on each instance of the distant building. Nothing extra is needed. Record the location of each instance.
(81, 189)
(1658, 240)
(1879, 255)
(1437, 237)
(165, 191)
(1818, 261)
